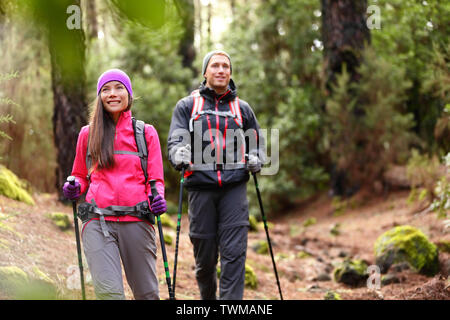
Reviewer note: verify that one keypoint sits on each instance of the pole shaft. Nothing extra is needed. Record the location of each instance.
(163, 245)
(180, 208)
(71, 180)
(267, 233)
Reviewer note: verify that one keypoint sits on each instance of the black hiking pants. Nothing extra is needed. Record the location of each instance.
(218, 226)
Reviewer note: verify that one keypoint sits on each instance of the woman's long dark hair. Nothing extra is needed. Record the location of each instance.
(102, 130)
(101, 136)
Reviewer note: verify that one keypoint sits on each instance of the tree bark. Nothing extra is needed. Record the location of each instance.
(67, 52)
(344, 35)
(91, 13)
(186, 11)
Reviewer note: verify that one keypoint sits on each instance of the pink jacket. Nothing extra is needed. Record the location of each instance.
(122, 185)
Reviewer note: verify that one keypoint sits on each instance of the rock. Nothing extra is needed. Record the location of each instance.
(397, 176)
(389, 278)
(351, 272)
(443, 246)
(61, 220)
(343, 254)
(12, 187)
(335, 229)
(399, 267)
(445, 268)
(322, 277)
(261, 247)
(406, 244)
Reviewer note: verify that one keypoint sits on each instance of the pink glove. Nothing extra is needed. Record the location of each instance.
(72, 192)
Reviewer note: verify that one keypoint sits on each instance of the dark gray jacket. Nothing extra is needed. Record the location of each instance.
(219, 149)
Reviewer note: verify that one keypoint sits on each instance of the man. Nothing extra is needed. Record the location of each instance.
(212, 134)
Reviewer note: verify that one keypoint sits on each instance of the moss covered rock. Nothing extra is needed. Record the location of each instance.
(251, 281)
(167, 221)
(253, 223)
(12, 187)
(331, 295)
(12, 279)
(250, 277)
(168, 239)
(261, 247)
(60, 219)
(406, 244)
(351, 272)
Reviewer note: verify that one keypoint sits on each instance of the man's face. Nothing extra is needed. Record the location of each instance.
(218, 73)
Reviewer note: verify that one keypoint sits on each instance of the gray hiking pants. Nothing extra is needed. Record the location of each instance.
(218, 225)
(134, 243)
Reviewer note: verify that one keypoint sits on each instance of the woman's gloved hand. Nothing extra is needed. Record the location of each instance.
(72, 192)
(158, 205)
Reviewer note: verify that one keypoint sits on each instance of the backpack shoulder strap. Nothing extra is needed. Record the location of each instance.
(197, 107)
(88, 160)
(236, 111)
(141, 143)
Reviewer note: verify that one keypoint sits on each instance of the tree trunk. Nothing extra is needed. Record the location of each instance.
(344, 35)
(67, 52)
(186, 11)
(91, 13)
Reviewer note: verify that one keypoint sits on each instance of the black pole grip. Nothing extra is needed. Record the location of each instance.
(153, 188)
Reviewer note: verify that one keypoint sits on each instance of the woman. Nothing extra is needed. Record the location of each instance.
(113, 230)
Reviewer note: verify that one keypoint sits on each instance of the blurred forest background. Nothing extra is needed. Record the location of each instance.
(355, 88)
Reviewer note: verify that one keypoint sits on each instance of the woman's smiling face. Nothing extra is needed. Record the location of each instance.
(114, 96)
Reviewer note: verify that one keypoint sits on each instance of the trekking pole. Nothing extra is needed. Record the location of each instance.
(180, 208)
(267, 233)
(71, 180)
(163, 246)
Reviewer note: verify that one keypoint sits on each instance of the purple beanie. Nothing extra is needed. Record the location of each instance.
(114, 75)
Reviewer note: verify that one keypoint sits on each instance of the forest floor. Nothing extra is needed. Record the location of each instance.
(31, 241)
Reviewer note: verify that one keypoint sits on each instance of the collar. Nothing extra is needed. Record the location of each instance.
(210, 94)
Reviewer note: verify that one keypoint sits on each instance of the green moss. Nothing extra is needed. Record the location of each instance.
(12, 187)
(167, 221)
(12, 278)
(443, 246)
(168, 239)
(406, 243)
(309, 222)
(253, 223)
(335, 229)
(250, 277)
(269, 225)
(351, 272)
(61, 220)
(261, 247)
(331, 295)
(251, 281)
(303, 255)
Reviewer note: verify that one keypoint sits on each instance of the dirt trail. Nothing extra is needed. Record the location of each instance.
(30, 240)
